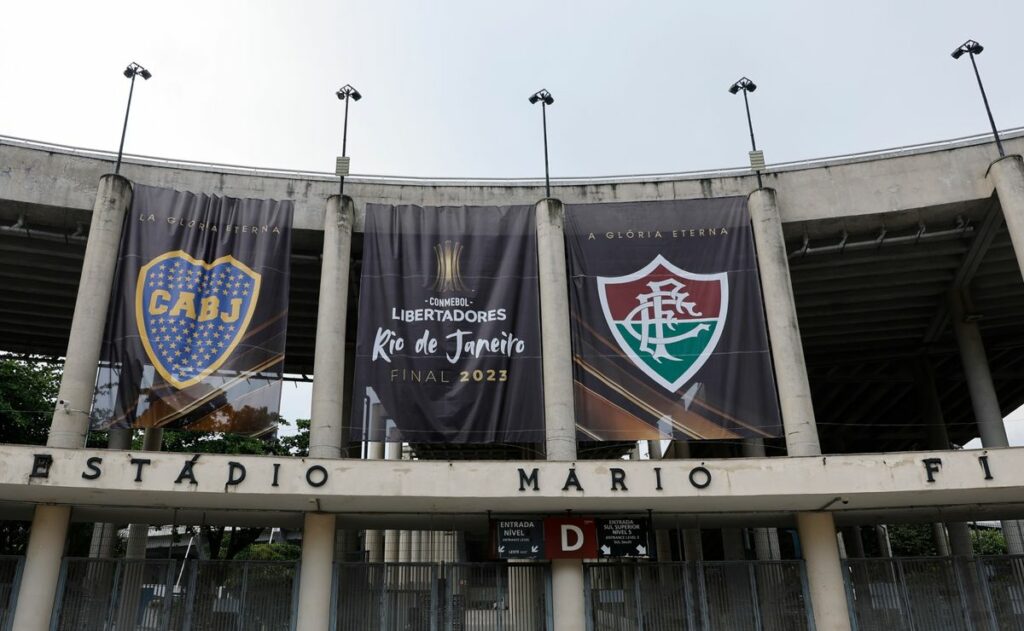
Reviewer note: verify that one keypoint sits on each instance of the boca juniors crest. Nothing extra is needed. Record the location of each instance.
(666, 320)
(198, 318)
(191, 314)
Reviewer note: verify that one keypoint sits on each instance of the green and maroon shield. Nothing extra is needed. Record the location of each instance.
(666, 320)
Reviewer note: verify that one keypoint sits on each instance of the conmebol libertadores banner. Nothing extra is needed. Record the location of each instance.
(196, 327)
(448, 342)
(667, 322)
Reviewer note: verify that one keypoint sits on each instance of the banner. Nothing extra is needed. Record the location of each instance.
(668, 327)
(196, 327)
(448, 342)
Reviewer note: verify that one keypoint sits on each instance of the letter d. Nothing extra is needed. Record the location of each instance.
(576, 530)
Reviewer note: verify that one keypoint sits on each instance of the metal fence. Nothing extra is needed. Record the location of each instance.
(697, 596)
(10, 577)
(167, 595)
(937, 593)
(441, 597)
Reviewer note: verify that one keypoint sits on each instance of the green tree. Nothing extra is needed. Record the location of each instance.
(912, 540)
(28, 395)
(988, 541)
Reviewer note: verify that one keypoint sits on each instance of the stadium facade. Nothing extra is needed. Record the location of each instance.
(893, 298)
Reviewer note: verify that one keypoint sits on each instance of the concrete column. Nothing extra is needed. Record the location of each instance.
(783, 328)
(960, 539)
(1007, 175)
(315, 572)
(70, 422)
(662, 545)
(817, 530)
(984, 401)
(567, 592)
(138, 534)
(884, 545)
(825, 574)
(766, 540)
(693, 547)
(103, 534)
(732, 544)
(415, 541)
(979, 379)
(328, 410)
(42, 567)
(559, 410)
(405, 546)
(392, 538)
(855, 541)
(939, 536)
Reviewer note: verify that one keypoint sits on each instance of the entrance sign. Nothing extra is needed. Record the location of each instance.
(520, 539)
(570, 538)
(667, 322)
(448, 341)
(196, 327)
(623, 537)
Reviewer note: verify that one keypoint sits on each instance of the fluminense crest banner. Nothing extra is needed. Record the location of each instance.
(448, 342)
(195, 334)
(668, 326)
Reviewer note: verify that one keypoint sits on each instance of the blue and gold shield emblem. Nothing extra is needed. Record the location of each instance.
(192, 314)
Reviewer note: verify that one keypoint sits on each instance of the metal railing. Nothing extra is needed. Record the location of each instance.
(10, 578)
(167, 595)
(937, 593)
(441, 597)
(697, 596)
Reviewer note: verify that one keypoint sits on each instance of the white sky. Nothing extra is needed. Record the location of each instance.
(639, 86)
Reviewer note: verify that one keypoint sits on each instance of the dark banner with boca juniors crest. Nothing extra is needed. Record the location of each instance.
(668, 329)
(448, 341)
(195, 334)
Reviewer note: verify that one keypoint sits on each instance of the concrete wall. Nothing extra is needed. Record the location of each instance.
(46, 177)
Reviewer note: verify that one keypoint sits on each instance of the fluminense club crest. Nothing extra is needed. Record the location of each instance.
(666, 320)
(191, 314)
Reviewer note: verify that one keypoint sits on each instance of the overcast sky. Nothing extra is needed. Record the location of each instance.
(639, 86)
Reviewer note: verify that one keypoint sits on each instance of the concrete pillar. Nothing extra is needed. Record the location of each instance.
(1007, 176)
(817, 530)
(405, 546)
(559, 410)
(766, 540)
(939, 537)
(884, 545)
(984, 401)
(855, 542)
(374, 539)
(825, 574)
(783, 328)
(315, 572)
(662, 545)
(138, 534)
(567, 595)
(979, 379)
(70, 422)
(104, 534)
(693, 546)
(42, 567)
(392, 538)
(732, 544)
(415, 541)
(960, 539)
(328, 411)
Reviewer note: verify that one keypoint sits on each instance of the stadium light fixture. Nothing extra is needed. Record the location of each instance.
(972, 48)
(545, 99)
(133, 70)
(345, 93)
(756, 157)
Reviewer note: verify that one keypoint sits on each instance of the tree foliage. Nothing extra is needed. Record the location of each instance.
(28, 395)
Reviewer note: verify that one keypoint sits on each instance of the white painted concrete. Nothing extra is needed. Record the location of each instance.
(42, 568)
(824, 572)
(315, 572)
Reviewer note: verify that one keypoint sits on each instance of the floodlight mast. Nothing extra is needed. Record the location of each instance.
(972, 48)
(345, 93)
(545, 99)
(131, 72)
(746, 85)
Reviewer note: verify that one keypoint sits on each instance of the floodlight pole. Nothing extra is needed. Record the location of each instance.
(547, 173)
(988, 110)
(124, 129)
(344, 146)
(753, 143)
